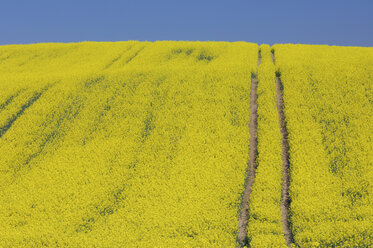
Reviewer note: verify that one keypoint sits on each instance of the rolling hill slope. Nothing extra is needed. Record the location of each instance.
(185, 144)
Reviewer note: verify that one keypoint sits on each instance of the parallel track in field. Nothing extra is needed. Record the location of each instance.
(250, 176)
(285, 203)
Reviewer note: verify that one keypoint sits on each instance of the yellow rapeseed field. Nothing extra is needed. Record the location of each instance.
(146, 144)
(328, 95)
(128, 144)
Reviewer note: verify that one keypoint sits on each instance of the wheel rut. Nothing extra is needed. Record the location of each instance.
(135, 55)
(117, 58)
(20, 112)
(285, 203)
(9, 100)
(250, 176)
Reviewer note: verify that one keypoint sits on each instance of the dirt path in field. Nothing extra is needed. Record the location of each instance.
(250, 176)
(285, 204)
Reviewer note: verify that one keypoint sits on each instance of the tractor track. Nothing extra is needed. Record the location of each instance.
(117, 58)
(135, 55)
(250, 176)
(285, 202)
(20, 112)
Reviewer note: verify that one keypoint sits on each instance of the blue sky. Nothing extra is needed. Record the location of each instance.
(348, 23)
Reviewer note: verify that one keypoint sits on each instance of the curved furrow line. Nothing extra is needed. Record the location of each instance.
(135, 55)
(117, 58)
(24, 107)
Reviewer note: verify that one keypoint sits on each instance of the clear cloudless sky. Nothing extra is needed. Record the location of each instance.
(333, 22)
